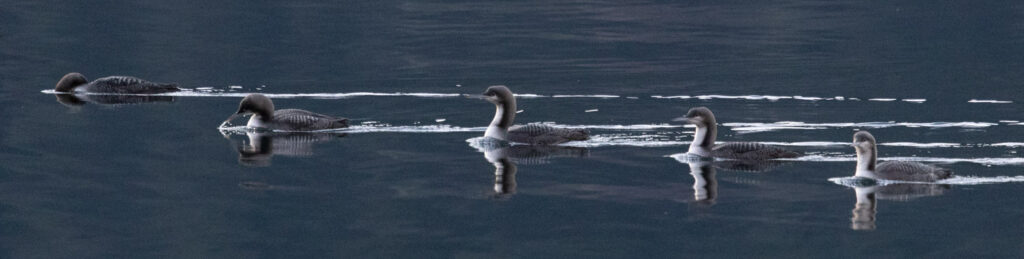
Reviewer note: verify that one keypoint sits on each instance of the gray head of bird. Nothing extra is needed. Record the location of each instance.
(498, 95)
(863, 141)
(257, 104)
(70, 81)
(699, 116)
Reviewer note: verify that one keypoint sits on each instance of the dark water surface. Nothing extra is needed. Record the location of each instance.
(159, 180)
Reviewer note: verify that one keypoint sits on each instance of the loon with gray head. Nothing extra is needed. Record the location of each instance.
(535, 134)
(264, 116)
(867, 155)
(704, 141)
(75, 82)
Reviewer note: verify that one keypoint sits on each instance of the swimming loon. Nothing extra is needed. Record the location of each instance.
(501, 126)
(112, 84)
(867, 155)
(704, 141)
(264, 116)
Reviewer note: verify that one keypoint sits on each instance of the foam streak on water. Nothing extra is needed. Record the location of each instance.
(938, 160)
(988, 101)
(211, 92)
(231, 91)
(751, 127)
(851, 181)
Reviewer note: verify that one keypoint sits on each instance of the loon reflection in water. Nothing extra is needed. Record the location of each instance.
(504, 158)
(705, 185)
(866, 208)
(73, 100)
(262, 146)
(707, 130)
(749, 166)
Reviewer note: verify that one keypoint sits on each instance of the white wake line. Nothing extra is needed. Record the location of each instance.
(449, 128)
(192, 93)
(751, 127)
(600, 140)
(939, 160)
(989, 101)
(444, 128)
(850, 181)
(231, 92)
(782, 97)
(222, 93)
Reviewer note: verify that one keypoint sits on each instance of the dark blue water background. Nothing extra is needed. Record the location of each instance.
(159, 180)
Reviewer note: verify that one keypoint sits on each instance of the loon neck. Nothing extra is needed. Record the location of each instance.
(703, 140)
(866, 160)
(504, 115)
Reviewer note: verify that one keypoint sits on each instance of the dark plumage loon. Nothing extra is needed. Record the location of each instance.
(535, 134)
(704, 141)
(264, 116)
(867, 155)
(75, 82)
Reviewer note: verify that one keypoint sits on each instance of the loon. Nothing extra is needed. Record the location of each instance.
(535, 134)
(112, 84)
(867, 155)
(264, 116)
(704, 141)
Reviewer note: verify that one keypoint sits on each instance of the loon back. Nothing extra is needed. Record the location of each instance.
(295, 119)
(538, 134)
(128, 85)
(911, 171)
(751, 151)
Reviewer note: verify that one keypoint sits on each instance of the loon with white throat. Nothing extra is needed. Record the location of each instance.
(704, 141)
(867, 156)
(501, 126)
(264, 116)
(75, 82)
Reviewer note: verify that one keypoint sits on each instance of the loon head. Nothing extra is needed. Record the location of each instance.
(699, 116)
(867, 153)
(704, 137)
(499, 95)
(257, 104)
(863, 142)
(70, 81)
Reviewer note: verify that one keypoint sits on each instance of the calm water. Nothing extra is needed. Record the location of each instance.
(159, 179)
